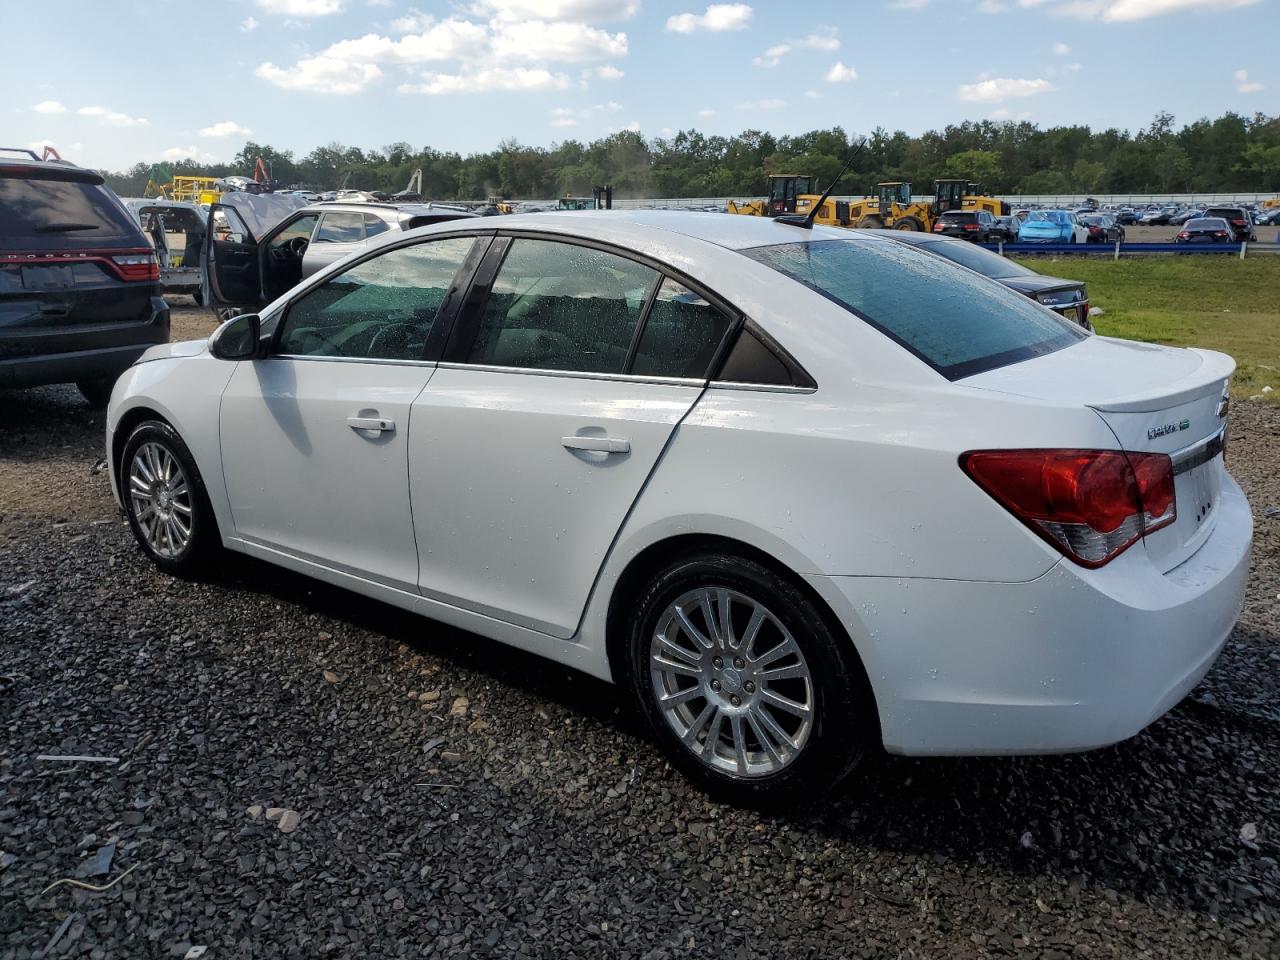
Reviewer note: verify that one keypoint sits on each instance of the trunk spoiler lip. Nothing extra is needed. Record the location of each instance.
(1214, 373)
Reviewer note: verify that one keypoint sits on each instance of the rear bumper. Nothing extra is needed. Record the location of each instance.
(1073, 660)
(86, 353)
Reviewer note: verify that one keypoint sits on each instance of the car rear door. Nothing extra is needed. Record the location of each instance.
(561, 386)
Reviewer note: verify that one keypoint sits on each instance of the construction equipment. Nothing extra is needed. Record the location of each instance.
(601, 199)
(891, 207)
(195, 190)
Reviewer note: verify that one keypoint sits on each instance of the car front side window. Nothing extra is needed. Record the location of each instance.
(560, 306)
(382, 308)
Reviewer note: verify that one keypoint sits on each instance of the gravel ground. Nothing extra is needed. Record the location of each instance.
(515, 811)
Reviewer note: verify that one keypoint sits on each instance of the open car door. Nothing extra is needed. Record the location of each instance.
(232, 266)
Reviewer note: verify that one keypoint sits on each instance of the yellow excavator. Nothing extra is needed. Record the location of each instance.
(892, 206)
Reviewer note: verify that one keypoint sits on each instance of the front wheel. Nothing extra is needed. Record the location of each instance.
(748, 690)
(165, 499)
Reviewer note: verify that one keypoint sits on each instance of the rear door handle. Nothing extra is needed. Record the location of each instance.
(375, 424)
(597, 444)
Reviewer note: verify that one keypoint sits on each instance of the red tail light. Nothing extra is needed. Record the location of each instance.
(938, 227)
(1092, 505)
(1219, 233)
(971, 226)
(1184, 235)
(1238, 223)
(137, 266)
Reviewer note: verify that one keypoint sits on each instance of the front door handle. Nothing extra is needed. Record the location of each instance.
(375, 424)
(597, 444)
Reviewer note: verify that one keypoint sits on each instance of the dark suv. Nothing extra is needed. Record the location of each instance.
(80, 291)
(1237, 219)
(976, 225)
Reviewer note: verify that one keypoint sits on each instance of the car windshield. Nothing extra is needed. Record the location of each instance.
(976, 258)
(957, 322)
(1047, 216)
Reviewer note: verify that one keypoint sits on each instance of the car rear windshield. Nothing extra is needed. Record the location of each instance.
(957, 217)
(955, 321)
(1207, 223)
(62, 215)
(1230, 213)
(976, 258)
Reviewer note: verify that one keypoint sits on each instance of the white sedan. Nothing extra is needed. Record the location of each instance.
(804, 493)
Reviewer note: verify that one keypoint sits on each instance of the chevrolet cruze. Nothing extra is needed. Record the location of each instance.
(804, 493)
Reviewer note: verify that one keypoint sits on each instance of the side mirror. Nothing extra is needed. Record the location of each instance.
(238, 339)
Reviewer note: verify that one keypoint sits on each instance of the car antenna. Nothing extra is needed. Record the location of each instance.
(806, 221)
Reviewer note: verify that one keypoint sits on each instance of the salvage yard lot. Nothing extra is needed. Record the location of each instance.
(535, 819)
(1207, 300)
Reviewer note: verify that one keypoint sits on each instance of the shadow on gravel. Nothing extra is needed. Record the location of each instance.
(1124, 820)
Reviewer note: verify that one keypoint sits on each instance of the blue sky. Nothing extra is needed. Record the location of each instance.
(112, 82)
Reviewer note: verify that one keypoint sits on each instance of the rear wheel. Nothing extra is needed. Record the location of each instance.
(908, 223)
(97, 391)
(870, 223)
(165, 499)
(747, 689)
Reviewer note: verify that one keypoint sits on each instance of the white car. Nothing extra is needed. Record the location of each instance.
(803, 492)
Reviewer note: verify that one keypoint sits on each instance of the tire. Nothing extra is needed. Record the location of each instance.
(870, 223)
(226, 313)
(97, 391)
(807, 756)
(155, 450)
(908, 223)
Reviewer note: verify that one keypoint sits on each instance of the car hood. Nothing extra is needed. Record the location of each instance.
(1034, 285)
(167, 351)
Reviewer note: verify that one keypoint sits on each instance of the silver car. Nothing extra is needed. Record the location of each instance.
(262, 246)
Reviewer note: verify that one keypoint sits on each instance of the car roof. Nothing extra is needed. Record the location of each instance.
(732, 231)
(51, 170)
(411, 208)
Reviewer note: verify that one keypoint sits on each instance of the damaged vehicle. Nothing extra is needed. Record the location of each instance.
(176, 230)
(263, 246)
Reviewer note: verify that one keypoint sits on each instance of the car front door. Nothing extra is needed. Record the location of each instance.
(231, 260)
(339, 234)
(315, 436)
(563, 381)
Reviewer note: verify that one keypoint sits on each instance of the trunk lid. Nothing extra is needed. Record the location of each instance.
(1154, 399)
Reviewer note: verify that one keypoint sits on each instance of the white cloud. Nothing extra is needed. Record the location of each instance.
(771, 104)
(1245, 85)
(706, 112)
(562, 42)
(996, 89)
(301, 8)
(48, 106)
(564, 122)
(716, 18)
(378, 3)
(579, 10)
(415, 21)
(1120, 10)
(609, 72)
(227, 128)
(1061, 49)
(633, 126)
(813, 95)
(773, 56)
(248, 25)
(908, 4)
(839, 73)
(992, 6)
(111, 118)
(481, 81)
(181, 153)
(828, 40)
(446, 40)
(322, 75)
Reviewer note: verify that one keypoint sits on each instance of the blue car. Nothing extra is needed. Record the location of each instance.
(1052, 226)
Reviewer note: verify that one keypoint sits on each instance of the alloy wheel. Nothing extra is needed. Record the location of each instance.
(731, 681)
(161, 499)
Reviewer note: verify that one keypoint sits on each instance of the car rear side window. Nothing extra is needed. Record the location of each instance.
(63, 215)
(560, 306)
(956, 321)
(340, 228)
(380, 309)
(374, 225)
(681, 335)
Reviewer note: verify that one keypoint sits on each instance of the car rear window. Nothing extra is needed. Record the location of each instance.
(1230, 213)
(63, 215)
(957, 217)
(955, 321)
(1207, 223)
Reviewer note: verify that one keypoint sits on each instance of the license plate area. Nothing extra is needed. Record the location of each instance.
(48, 277)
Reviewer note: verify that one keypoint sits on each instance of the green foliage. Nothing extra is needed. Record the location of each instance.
(1231, 153)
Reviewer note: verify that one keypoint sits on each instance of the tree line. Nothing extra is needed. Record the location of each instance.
(1231, 153)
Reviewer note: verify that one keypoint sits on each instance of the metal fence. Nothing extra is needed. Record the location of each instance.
(1042, 200)
(1117, 250)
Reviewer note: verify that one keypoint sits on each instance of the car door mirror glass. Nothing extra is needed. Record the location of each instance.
(238, 338)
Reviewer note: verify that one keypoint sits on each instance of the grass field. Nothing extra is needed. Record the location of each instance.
(1219, 302)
